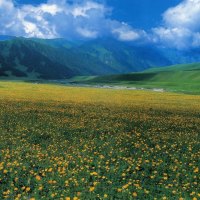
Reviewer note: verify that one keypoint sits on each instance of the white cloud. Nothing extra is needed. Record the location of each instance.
(181, 25)
(126, 33)
(186, 14)
(51, 9)
(173, 37)
(87, 33)
(83, 11)
(8, 15)
(90, 19)
(87, 19)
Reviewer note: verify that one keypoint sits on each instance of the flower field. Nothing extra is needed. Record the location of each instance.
(65, 143)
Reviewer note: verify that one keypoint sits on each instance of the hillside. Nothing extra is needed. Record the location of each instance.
(185, 78)
(25, 58)
(124, 57)
(34, 58)
(60, 59)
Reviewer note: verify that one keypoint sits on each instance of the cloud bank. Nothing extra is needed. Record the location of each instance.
(181, 27)
(90, 19)
(85, 19)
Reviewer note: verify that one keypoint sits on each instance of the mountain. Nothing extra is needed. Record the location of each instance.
(33, 59)
(124, 57)
(58, 42)
(24, 58)
(181, 56)
(60, 58)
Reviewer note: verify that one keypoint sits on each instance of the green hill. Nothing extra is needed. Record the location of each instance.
(31, 59)
(27, 59)
(124, 57)
(184, 78)
(59, 59)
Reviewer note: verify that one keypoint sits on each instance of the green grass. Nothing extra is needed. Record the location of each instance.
(61, 143)
(179, 78)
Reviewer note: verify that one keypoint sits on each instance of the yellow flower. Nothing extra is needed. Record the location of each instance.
(53, 195)
(165, 178)
(94, 174)
(6, 192)
(146, 191)
(134, 194)
(105, 196)
(28, 189)
(95, 183)
(38, 178)
(32, 198)
(123, 174)
(119, 190)
(194, 198)
(23, 187)
(50, 170)
(192, 193)
(125, 186)
(40, 188)
(67, 198)
(92, 189)
(196, 170)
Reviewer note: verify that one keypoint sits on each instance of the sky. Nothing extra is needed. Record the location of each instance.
(171, 23)
(138, 13)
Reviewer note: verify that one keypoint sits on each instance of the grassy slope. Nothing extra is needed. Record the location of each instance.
(184, 78)
(39, 59)
(123, 57)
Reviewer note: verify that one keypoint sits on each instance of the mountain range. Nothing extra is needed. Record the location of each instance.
(61, 59)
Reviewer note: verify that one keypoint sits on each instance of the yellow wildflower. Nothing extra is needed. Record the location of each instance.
(134, 194)
(38, 178)
(92, 189)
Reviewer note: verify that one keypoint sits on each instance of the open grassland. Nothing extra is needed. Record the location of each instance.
(83, 143)
(179, 78)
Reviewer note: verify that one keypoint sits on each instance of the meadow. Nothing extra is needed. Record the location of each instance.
(59, 142)
(183, 78)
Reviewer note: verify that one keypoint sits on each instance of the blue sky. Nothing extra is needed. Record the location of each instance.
(173, 23)
(143, 14)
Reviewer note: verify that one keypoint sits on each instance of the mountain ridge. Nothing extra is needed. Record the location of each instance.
(61, 59)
